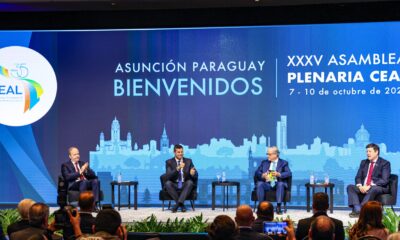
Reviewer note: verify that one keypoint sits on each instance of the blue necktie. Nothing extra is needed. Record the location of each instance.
(180, 176)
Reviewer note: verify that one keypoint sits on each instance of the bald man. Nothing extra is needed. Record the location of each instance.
(244, 219)
(272, 175)
(23, 210)
(322, 228)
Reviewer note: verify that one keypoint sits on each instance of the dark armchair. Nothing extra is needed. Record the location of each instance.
(391, 197)
(71, 197)
(271, 195)
(164, 196)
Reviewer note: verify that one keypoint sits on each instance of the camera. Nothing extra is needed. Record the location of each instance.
(62, 218)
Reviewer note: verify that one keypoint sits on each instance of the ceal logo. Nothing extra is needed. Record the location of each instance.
(28, 86)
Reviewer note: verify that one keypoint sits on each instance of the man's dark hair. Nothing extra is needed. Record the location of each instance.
(265, 210)
(177, 146)
(107, 220)
(322, 228)
(373, 146)
(222, 228)
(38, 214)
(320, 201)
(86, 201)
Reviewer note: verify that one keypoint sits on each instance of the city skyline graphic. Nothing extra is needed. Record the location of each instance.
(147, 162)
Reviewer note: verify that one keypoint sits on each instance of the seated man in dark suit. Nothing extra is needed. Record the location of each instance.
(265, 213)
(272, 174)
(78, 174)
(39, 223)
(23, 209)
(180, 175)
(244, 219)
(320, 207)
(372, 179)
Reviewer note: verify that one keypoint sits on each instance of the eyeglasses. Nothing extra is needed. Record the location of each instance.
(271, 154)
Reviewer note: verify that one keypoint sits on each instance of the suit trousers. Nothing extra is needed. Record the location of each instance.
(263, 187)
(355, 196)
(172, 189)
(84, 185)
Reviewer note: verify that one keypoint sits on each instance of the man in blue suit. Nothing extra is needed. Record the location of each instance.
(371, 180)
(272, 174)
(78, 174)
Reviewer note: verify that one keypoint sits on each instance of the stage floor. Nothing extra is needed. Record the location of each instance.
(130, 215)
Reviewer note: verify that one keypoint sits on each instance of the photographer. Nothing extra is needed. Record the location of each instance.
(108, 226)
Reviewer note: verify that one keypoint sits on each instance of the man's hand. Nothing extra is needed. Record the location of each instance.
(193, 171)
(364, 189)
(265, 176)
(182, 165)
(84, 167)
(276, 174)
(75, 221)
(52, 226)
(290, 230)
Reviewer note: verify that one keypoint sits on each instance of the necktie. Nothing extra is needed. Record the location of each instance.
(273, 168)
(180, 176)
(369, 176)
(77, 170)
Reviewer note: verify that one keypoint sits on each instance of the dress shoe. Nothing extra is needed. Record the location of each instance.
(354, 214)
(175, 208)
(183, 208)
(278, 210)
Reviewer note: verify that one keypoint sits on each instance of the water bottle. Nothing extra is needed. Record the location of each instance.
(119, 177)
(312, 178)
(326, 179)
(223, 179)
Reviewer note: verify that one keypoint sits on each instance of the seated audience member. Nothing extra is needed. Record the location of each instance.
(394, 236)
(369, 222)
(39, 223)
(223, 228)
(265, 213)
(23, 210)
(244, 219)
(320, 206)
(322, 228)
(86, 206)
(107, 226)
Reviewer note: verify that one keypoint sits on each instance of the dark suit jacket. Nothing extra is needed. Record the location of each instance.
(87, 221)
(28, 232)
(258, 224)
(172, 174)
(380, 175)
(282, 167)
(250, 234)
(304, 225)
(70, 174)
(20, 225)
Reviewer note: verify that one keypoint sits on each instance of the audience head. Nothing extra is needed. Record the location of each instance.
(86, 201)
(320, 202)
(265, 210)
(107, 220)
(223, 227)
(322, 228)
(23, 207)
(371, 214)
(244, 216)
(39, 215)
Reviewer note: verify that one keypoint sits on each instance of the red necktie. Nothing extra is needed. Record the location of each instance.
(77, 169)
(369, 176)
